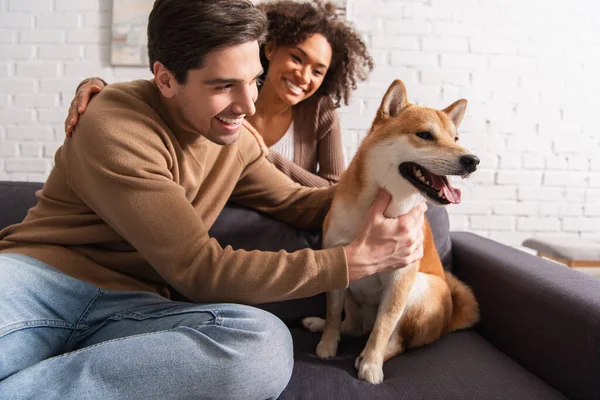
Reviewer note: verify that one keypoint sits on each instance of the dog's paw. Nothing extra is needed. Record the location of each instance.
(369, 371)
(313, 324)
(327, 349)
(358, 361)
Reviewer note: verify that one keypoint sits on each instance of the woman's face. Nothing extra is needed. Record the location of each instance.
(297, 71)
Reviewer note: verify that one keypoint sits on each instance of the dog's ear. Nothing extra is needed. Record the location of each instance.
(456, 111)
(393, 102)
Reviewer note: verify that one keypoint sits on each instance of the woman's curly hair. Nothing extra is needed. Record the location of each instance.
(292, 22)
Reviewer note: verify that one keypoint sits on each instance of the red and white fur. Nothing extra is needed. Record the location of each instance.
(408, 152)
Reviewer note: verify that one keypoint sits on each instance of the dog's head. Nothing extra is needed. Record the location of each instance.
(420, 145)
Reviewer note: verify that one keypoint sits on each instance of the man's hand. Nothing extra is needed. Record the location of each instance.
(384, 244)
(85, 91)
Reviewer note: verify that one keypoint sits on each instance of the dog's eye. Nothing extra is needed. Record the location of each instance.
(425, 135)
(456, 138)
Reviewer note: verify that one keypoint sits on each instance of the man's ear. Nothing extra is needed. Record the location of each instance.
(165, 80)
(456, 111)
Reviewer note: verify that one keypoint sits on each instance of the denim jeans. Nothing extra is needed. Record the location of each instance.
(62, 338)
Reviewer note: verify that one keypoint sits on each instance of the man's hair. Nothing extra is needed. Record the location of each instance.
(182, 33)
(292, 22)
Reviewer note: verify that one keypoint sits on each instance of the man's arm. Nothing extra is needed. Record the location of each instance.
(119, 166)
(262, 186)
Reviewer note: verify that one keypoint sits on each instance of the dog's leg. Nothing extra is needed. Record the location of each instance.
(395, 346)
(395, 294)
(426, 315)
(352, 323)
(368, 315)
(331, 326)
(314, 324)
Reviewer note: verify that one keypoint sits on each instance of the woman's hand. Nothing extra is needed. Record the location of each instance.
(86, 90)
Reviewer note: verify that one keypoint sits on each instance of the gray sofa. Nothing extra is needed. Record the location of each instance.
(539, 335)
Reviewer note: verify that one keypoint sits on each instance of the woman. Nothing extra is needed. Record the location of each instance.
(312, 60)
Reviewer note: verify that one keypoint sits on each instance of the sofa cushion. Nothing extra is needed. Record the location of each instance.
(440, 227)
(243, 228)
(461, 365)
(15, 199)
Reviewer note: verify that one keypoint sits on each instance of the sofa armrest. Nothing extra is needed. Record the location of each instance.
(542, 314)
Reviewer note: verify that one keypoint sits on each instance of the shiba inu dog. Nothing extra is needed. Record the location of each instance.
(408, 151)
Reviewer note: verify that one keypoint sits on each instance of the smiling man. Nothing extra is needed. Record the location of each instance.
(122, 221)
(213, 101)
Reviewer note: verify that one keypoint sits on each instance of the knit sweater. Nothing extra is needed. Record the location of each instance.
(318, 155)
(131, 197)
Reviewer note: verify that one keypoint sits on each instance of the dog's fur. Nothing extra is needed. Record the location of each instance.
(417, 304)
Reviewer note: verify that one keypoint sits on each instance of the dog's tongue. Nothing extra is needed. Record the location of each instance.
(451, 193)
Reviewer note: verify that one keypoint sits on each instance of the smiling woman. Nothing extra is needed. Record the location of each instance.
(312, 60)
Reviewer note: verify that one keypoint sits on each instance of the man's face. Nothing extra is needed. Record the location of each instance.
(216, 98)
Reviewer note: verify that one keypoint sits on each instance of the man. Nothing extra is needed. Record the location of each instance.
(85, 279)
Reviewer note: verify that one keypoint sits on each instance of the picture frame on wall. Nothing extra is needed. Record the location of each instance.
(129, 45)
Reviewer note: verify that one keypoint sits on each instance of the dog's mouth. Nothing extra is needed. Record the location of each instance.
(436, 187)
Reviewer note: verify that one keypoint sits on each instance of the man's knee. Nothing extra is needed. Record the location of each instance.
(266, 361)
(276, 354)
(246, 353)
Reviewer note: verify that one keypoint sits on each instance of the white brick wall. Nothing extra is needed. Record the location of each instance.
(529, 69)
(46, 48)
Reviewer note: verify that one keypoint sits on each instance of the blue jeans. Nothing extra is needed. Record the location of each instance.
(62, 338)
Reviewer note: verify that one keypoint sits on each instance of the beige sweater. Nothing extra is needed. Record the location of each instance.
(130, 200)
(318, 154)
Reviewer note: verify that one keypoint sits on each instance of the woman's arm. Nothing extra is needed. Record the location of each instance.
(297, 173)
(86, 89)
(330, 153)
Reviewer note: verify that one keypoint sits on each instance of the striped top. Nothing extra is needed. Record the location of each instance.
(285, 145)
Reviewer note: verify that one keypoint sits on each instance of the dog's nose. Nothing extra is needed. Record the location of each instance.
(469, 162)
